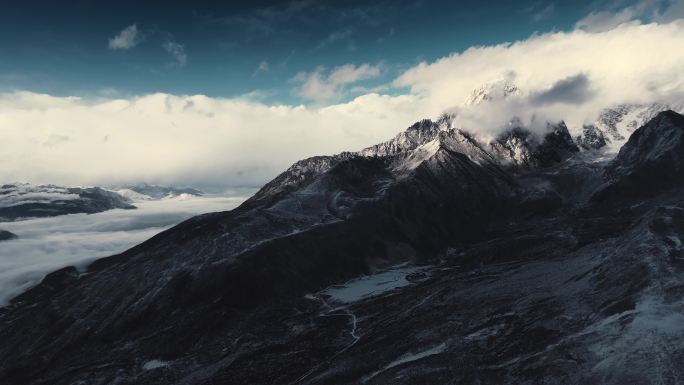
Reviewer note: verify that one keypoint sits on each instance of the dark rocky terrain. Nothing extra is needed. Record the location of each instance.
(522, 260)
(23, 200)
(6, 235)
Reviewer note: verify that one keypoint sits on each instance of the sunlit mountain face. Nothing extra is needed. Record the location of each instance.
(310, 192)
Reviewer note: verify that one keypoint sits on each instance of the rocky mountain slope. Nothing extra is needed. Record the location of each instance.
(23, 200)
(432, 258)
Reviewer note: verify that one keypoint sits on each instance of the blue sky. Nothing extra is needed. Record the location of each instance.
(232, 94)
(63, 48)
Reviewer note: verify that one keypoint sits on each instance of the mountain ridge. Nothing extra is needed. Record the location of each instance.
(24, 200)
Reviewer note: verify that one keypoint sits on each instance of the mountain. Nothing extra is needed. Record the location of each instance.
(524, 149)
(499, 90)
(614, 125)
(435, 257)
(23, 200)
(650, 162)
(146, 191)
(6, 235)
(515, 148)
(607, 132)
(592, 138)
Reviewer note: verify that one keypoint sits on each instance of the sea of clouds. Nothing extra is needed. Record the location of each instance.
(48, 244)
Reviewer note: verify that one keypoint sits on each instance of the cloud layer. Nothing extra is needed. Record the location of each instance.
(177, 51)
(322, 85)
(128, 38)
(181, 139)
(563, 75)
(661, 11)
(48, 244)
(196, 139)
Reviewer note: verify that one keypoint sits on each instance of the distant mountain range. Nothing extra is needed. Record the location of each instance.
(23, 200)
(146, 191)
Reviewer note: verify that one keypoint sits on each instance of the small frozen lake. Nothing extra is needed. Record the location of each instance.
(377, 283)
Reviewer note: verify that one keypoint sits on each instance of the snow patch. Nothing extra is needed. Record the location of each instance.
(418, 156)
(409, 357)
(132, 195)
(485, 332)
(417, 356)
(154, 364)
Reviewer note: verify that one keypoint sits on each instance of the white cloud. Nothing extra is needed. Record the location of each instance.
(336, 36)
(242, 141)
(543, 13)
(572, 90)
(674, 11)
(632, 63)
(384, 38)
(176, 50)
(128, 38)
(48, 244)
(644, 11)
(602, 21)
(182, 139)
(263, 67)
(323, 85)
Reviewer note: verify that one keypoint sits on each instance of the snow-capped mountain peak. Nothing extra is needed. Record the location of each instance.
(499, 90)
(415, 136)
(614, 125)
(144, 191)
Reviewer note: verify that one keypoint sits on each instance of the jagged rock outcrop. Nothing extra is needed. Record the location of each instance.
(524, 149)
(592, 138)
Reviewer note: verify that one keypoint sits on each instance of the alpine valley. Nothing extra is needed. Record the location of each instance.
(435, 257)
